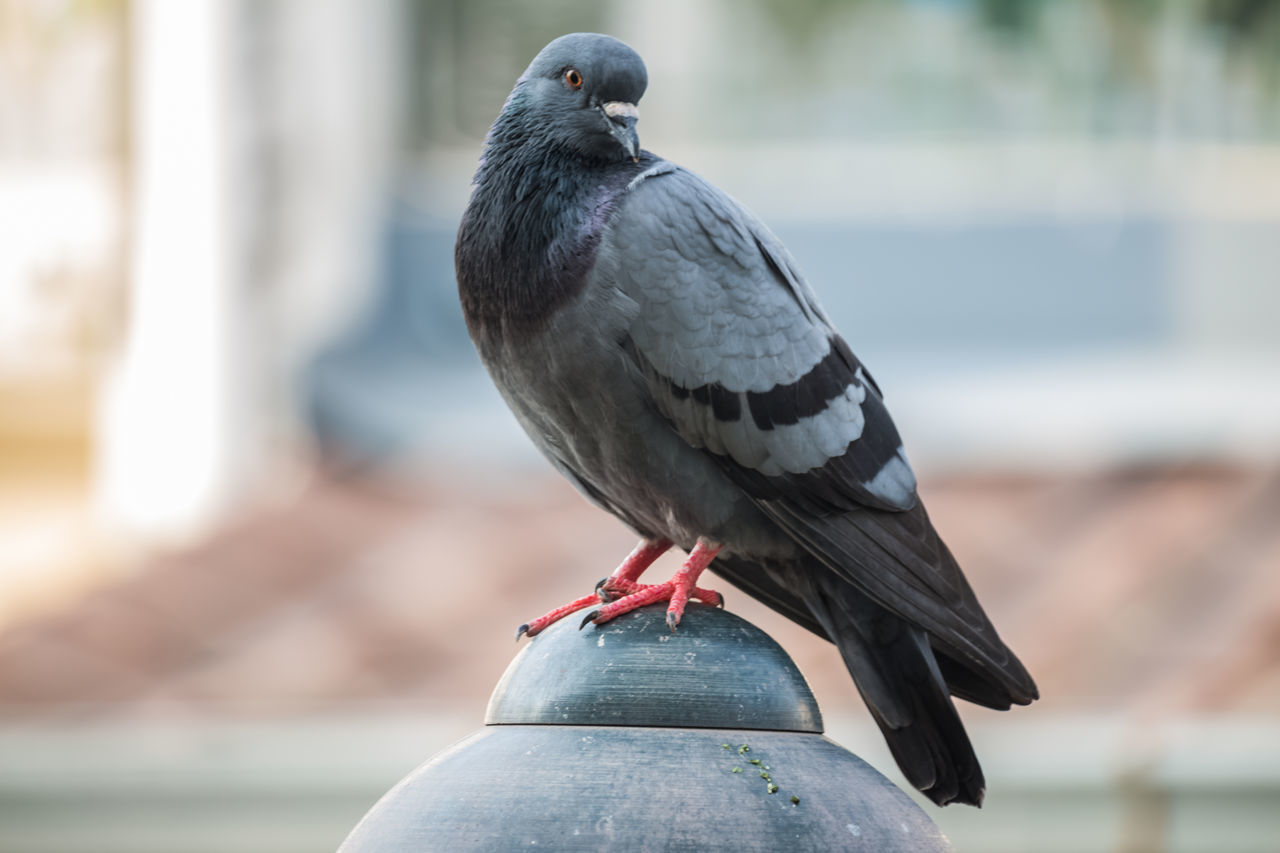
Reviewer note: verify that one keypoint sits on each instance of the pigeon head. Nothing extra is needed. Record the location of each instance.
(580, 93)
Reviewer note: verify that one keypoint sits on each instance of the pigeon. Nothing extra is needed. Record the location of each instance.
(661, 348)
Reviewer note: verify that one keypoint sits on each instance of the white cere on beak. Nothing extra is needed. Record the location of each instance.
(621, 109)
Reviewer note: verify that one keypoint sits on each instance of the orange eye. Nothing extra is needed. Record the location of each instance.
(573, 79)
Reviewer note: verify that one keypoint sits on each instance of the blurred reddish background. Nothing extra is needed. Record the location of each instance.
(1153, 591)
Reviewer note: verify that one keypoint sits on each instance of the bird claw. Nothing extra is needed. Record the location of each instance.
(611, 589)
(521, 631)
(590, 617)
(673, 619)
(601, 593)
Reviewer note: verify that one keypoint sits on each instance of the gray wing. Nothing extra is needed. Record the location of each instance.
(742, 362)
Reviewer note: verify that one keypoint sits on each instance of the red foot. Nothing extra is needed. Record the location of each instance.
(676, 591)
(538, 625)
(632, 567)
(630, 594)
(618, 590)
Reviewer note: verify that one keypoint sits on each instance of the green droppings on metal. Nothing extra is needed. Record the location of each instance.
(795, 801)
(764, 770)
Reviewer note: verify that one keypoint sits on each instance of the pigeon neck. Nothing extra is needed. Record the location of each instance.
(531, 231)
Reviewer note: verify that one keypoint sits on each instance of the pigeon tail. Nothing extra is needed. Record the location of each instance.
(932, 749)
(898, 677)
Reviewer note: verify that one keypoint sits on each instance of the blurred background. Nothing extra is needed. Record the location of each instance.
(266, 529)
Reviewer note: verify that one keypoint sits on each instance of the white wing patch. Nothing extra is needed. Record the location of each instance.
(895, 481)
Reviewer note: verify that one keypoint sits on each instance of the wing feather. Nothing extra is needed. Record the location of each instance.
(740, 359)
(742, 362)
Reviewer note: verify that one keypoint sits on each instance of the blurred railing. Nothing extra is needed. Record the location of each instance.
(1056, 786)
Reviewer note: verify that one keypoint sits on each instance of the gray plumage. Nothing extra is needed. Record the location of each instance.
(662, 349)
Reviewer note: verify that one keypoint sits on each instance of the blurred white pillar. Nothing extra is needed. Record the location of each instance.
(167, 455)
(264, 137)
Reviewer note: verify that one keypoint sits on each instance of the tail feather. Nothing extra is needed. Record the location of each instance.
(969, 684)
(899, 678)
(904, 675)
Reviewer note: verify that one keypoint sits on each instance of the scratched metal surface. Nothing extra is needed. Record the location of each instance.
(716, 671)
(628, 788)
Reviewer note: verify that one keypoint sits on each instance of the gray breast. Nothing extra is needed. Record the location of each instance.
(585, 404)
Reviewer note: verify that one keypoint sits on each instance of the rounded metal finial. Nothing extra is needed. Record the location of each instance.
(627, 737)
(716, 671)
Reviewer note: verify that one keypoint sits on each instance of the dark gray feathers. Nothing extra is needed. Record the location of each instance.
(661, 347)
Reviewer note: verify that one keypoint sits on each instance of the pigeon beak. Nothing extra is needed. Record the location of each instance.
(622, 124)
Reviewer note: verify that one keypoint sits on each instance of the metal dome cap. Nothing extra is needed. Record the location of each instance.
(716, 671)
(627, 737)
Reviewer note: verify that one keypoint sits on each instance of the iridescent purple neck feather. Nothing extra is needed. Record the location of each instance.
(530, 234)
